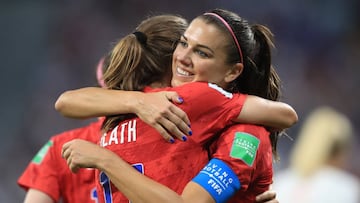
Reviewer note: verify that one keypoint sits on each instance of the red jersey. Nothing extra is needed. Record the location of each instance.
(49, 172)
(247, 150)
(209, 109)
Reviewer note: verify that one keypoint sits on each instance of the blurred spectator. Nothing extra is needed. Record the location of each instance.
(317, 171)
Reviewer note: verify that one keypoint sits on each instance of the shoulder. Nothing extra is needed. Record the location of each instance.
(206, 92)
(203, 87)
(346, 177)
(249, 135)
(256, 130)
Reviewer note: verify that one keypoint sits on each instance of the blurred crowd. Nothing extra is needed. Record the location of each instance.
(48, 47)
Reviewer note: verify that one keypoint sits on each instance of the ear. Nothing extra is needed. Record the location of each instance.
(234, 72)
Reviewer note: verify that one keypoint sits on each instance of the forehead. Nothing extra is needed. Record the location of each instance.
(203, 33)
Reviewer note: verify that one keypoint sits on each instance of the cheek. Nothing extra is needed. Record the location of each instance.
(176, 52)
(208, 72)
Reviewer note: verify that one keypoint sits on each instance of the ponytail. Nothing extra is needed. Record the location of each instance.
(264, 43)
(142, 58)
(125, 57)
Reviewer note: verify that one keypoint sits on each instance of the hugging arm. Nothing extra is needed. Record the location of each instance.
(274, 114)
(154, 109)
(134, 185)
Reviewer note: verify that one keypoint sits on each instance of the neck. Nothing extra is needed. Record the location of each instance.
(158, 85)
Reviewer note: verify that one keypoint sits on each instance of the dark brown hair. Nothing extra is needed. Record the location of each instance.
(256, 43)
(136, 63)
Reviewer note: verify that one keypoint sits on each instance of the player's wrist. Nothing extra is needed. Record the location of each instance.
(136, 102)
(107, 160)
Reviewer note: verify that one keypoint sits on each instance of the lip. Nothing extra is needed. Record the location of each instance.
(183, 72)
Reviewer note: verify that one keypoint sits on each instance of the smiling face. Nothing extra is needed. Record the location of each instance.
(200, 56)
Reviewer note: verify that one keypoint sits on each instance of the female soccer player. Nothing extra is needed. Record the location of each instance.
(197, 53)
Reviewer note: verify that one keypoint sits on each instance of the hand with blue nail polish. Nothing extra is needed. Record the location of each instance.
(159, 111)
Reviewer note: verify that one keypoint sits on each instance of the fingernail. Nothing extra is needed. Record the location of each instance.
(184, 138)
(190, 132)
(189, 125)
(172, 140)
(181, 100)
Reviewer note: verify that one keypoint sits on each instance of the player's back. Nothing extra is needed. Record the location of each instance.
(173, 165)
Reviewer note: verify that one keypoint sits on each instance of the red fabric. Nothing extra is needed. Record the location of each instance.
(174, 165)
(256, 178)
(52, 175)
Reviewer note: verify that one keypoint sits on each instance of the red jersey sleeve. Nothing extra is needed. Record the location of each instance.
(247, 150)
(49, 173)
(209, 107)
(42, 173)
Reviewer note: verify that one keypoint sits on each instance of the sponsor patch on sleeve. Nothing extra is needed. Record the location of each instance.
(244, 147)
(42, 152)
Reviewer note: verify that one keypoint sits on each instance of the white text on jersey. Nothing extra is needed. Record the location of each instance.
(124, 132)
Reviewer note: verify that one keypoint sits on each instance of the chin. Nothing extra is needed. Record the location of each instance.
(175, 83)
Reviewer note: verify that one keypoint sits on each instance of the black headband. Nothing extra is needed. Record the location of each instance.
(141, 37)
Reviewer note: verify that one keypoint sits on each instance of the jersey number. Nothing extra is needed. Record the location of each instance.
(106, 184)
(94, 195)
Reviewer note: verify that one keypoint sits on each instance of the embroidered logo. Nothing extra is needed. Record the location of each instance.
(244, 147)
(42, 152)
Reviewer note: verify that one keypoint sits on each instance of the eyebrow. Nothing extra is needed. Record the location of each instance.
(200, 45)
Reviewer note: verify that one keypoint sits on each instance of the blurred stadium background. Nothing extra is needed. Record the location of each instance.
(51, 46)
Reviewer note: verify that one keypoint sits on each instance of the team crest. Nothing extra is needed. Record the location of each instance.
(244, 147)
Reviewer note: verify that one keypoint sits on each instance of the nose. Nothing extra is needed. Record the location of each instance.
(184, 56)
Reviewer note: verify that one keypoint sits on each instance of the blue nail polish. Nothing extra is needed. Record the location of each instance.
(184, 138)
(181, 100)
(172, 140)
(190, 132)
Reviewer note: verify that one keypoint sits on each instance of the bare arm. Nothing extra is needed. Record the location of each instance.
(153, 108)
(257, 110)
(134, 185)
(156, 110)
(91, 102)
(36, 196)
